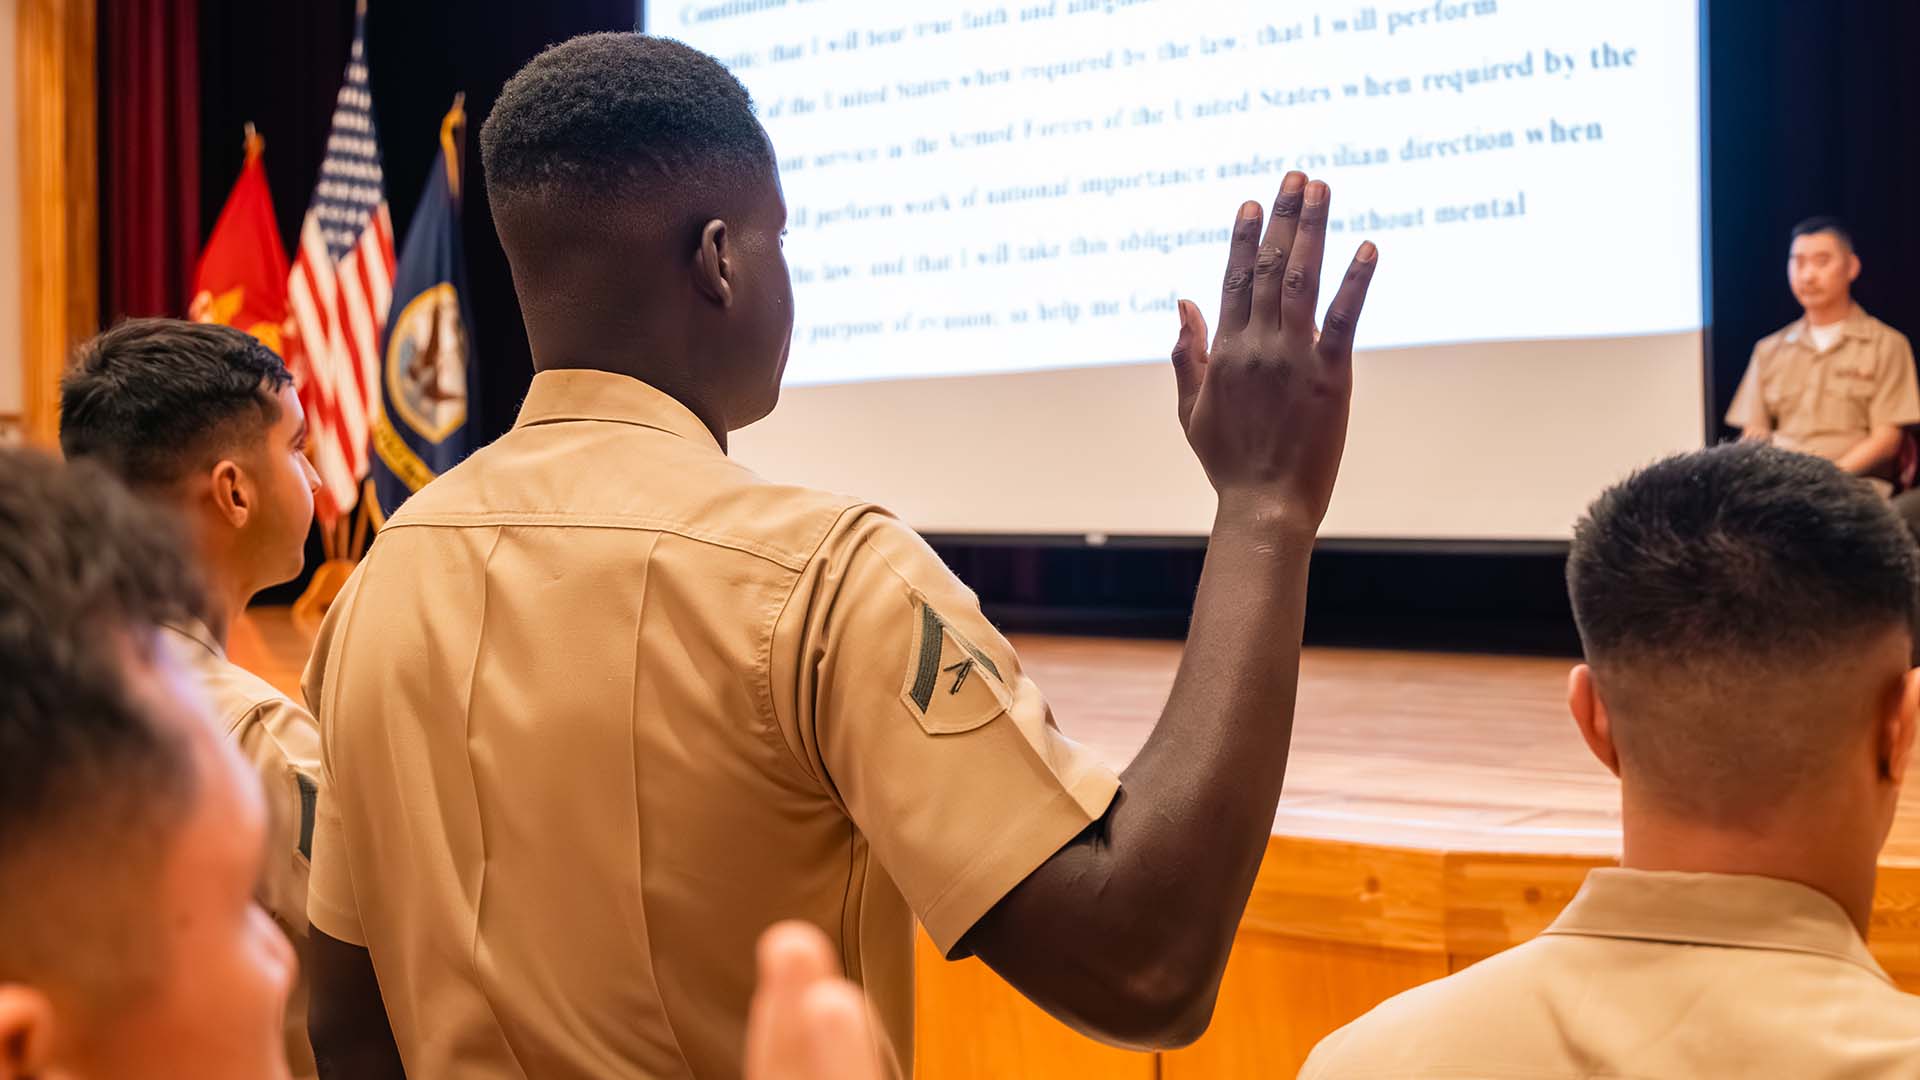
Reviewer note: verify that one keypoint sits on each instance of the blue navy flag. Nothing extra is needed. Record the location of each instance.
(426, 362)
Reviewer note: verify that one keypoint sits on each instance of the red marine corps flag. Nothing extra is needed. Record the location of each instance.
(242, 277)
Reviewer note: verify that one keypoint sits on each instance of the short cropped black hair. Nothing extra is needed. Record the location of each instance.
(1731, 602)
(1740, 550)
(151, 398)
(1814, 226)
(86, 571)
(620, 113)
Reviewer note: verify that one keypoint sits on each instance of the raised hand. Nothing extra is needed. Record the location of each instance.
(1265, 406)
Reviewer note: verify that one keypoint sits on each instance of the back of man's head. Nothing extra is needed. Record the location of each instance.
(89, 783)
(1748, 615)
(153, 400)
(606, 128)
(639, 204)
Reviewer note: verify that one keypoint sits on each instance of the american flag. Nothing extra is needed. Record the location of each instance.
(341, 284)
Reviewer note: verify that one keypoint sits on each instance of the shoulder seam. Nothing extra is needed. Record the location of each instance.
(780, 614)
(634, 523)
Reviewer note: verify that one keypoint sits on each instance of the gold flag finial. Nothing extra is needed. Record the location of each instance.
(453, 140)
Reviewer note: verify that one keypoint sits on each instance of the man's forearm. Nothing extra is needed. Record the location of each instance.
(346, 1016)
(1202, 791)
(1140, 911)
(1870, 453)
(1208, 778)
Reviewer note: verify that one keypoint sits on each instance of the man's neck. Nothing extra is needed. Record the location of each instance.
(1830, 315)
(227, 596)
(1651, 842)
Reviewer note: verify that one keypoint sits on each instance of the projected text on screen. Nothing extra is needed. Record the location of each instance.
(978, 188)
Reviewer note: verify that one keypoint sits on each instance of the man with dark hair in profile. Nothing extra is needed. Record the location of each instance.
(600, 705)
(202, 420)
(1747, 616)
(131, 835)
(1836, 382)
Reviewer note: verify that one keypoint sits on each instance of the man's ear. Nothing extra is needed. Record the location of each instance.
(1590, 716)
(712, 266)
(1853, 268)
(231, 492)
(26, 1032)
(1896, 730)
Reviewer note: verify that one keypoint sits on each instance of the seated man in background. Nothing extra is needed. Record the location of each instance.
(131, 835)
(1747, 616)
(1837, 383)
(600, 704)
(202, 420)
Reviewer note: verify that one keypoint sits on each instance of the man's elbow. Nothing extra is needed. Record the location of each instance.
(1176, 1011)
(1157, 1007)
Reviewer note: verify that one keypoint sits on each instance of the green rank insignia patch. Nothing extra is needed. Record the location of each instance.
(951, 685)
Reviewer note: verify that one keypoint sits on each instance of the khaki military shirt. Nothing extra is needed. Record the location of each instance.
(1825, 403)
(1653, 975)
(283, 743)
(601, 704)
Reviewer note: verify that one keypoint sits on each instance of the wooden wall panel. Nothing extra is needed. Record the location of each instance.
(1358, 894)
(59, 198)
(969, 1023)
(1281, 996)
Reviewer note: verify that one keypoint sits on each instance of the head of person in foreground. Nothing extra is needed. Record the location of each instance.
(131, 835)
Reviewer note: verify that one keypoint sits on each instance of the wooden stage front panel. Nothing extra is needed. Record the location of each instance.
(1438, 809)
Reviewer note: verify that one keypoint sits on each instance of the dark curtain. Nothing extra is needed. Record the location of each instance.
(1812, 111)
(149, 156)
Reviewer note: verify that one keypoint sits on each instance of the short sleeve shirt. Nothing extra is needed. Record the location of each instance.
(1652, 975)
(1825, 402)
(600, 705)
(282, 742)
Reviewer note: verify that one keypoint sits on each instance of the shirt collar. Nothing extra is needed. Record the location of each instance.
(580, 394)
(1855, 325)
(1729, 910)
(196, 631)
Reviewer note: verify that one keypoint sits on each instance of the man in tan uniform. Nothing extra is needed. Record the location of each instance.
(202, 419)
(1747, 618)
(132, 836)
(1837, 382)
(600, 705)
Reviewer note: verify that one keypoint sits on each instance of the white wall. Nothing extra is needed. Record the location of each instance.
(1491, 441)
(11, 375)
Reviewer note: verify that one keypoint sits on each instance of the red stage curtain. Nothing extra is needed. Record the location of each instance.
(149, 155)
